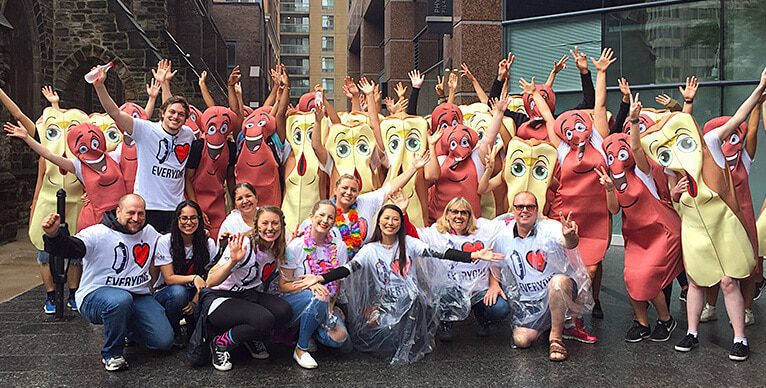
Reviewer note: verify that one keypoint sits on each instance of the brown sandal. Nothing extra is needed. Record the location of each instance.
(557, 351)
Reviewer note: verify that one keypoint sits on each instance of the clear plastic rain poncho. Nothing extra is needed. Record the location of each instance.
(390, 309)
(530, 265)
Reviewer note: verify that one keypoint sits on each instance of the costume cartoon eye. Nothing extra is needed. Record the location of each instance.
(262, 123)
(481, 134)
(622, 154)
(112, 135)
(464, 142)
(664, 156)
(250, 125)
(298, 136)
(452, 144)
(540, 170)
(394, 142)
(211, 130)
(734, 139)
(454, 122)
(83, 149)
(532, 105)
(192, 117)
(412, 143)
(94, 144)
(568, 134)
(580, 127)
(610, 159)
(137, 116)
(685, 143)
(310, 132)
(343, 149)
(52, 133)
(641, 128)
(444, 126)
(224, 128)
(518, 168)
(363, 148)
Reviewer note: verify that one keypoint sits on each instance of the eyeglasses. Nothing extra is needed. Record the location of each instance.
(185, 219)
(521, 207)
(459, 212)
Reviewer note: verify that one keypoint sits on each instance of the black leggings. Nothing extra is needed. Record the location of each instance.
(250, 319)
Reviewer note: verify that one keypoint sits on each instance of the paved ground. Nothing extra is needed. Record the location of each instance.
(18, 268)
(37, 351)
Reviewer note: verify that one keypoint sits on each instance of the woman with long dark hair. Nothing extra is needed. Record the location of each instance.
(238, 312)
(181, 257)
(242, 217)
(388, 305)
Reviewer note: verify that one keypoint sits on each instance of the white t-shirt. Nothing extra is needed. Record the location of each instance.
(161, 162)
(114, 259)
(233, 224)
(595, 140)
(162, 256)
(254, 268)
(528, 257)
(477, 162)
(377, 258)
(297, 258)
(714, 144)
(115, 155)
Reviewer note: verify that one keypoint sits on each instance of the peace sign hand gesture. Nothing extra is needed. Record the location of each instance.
(568, 226)
(605, 179)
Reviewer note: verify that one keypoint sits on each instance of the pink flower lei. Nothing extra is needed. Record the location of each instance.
(320, 265)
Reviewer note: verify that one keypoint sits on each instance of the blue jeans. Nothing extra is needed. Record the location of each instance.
(497, 312)
(314, 318)
(174, 298)
(120, 311)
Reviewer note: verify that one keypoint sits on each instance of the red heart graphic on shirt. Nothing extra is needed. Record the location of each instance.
(268, 269)
(399, 271)
(537, 260)
(362, 228)
(182, 151)
(472, 246)
(141, 253)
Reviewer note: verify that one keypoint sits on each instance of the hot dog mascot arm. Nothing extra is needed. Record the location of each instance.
(189, 186)
(731, 125)
(487, 182)
(206, 96)
(316, 138)
(332, 114)
(231, 92)
(284, 100)
(21, 133)
(751, 138)
(494, 127)
(122, 119)
(153, 90)
(368, 88)
(433, 171)
(635, 137)
(602, 64)
(16, 112)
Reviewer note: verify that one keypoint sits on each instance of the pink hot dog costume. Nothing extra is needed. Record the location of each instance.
(651, 227)
(445, 116)
(214, 164)
(579, 191)
(100, 174)
(256, 163)
(535, 127)
(194, 121)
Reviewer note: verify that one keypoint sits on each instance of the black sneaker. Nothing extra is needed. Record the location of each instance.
(739, 352)
(687, 343)
(179, 338)
(220, 356)
(637, 333)
(663, 329)
(257, 350)
(483, 330)
(682, 296)
(759, 289)
(597, 312)
(445, 332)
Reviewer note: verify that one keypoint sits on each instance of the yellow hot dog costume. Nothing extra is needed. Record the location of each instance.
(303, 180)
(351, 147)
(529, 166)
(111, 133)
(714, 240)
(52, 128)
(405, 137)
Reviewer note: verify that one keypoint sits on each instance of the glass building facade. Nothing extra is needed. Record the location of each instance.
(657, 45)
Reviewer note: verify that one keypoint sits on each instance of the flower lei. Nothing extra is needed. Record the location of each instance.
(352, 234)
(321, 265)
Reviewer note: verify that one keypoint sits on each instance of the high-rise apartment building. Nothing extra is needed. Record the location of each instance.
(313, 38)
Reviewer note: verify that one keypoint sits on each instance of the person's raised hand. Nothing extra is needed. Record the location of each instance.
(568, 225)
(561, 64)
(435, 137)
(203, 78)
(604, 179)
(420, 161)
(624, 86)
(51, 224)
(527, 87)
(681, 186)
(366, 86)
(452, 82)
(50, 94)
(581, 60)
(439, 87)
(399, 199)
(153, 88)
(236, 247)
(635, 106)
(603, 62)
(235, 76)
(466, 72)
(400, 90)
(15, 130)
(690, 91)
(416, 78)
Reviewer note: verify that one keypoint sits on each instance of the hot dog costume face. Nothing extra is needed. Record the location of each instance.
(405, 137)
(307, 102)
(213, 167)
(529, 166)
(128, 154)
(107, 125)
(101, 175)
(256, 163)
(580, 192)
(445, 116)
(651, 227)
(351, 147)
(535, 127)
(714, 239)
(194, 121)
(52, 128)
(302, 176)
(733, 149)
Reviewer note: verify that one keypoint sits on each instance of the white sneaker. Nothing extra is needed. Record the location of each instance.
(305, 361)
(115, 363)
(708, 314)
(749, 317)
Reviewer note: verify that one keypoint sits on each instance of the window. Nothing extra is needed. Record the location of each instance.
(293, 23)
(328, 23)
(328, 84)
(328, 64)
(328, 5)
(328, 43)
(231, 55)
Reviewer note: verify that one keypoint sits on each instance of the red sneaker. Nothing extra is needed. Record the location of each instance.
(579, 334)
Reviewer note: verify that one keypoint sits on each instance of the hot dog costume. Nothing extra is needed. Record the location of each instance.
(351, 147)
(714, 239)
(99, 172)
(194, 121)
(529, 166)
(52, 128)
(303, 180)
(535, 128)
(579, 192)
(107, 125)
(128, 153)
(256, 163)
(651, 227)
(405, 137)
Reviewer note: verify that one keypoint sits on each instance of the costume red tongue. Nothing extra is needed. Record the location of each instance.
(302, 165)
(358, 179)
(61, 170)
(692, 189)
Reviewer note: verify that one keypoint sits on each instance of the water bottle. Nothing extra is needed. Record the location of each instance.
(92, 75)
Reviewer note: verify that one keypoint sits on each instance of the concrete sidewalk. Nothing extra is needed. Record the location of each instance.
(19, 270)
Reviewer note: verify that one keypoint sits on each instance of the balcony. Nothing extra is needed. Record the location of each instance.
(294, 7)
(298, 28)
(294, 49)
(298, 70)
